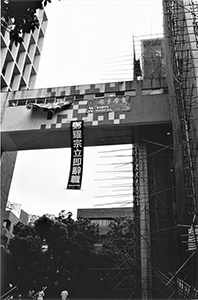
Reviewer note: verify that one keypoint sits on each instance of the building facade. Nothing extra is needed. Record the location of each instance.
(19, 64)
(19, 67)
(152, 58)
(104, 216)
(9, 220)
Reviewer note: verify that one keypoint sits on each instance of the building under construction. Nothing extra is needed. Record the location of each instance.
(166, 187)
(163, 260)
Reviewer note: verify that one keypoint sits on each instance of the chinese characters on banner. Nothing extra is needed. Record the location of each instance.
(14, 207)
(108, 104)
(76, 169)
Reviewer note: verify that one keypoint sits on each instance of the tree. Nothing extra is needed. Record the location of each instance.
(24, 257)
(52, 253)
(60, 254)
(19, 17)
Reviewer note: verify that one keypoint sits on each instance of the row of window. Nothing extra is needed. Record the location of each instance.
(102, 222)
(57, 99)
(6, 224)
(22, 102)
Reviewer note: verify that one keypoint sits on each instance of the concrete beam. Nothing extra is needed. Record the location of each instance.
(24, 129)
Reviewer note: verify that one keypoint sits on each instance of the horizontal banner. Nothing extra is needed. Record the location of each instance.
(107, 104)
(77, 144)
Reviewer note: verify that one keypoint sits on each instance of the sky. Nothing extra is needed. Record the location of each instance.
(84, 42)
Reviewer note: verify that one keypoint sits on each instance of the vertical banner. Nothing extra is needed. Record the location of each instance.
(76, 168)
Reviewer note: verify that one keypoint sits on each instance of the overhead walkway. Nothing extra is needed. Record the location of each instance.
(110, 111)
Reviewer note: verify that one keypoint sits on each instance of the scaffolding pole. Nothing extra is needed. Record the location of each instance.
(181, 41)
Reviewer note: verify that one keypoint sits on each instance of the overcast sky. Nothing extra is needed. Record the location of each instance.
(82, 36)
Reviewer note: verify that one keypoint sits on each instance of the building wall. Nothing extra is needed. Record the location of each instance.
(104, 213)
(19, 64)
(9, 220)
(24, 216)
(182, 78)
(181, 48)
(19, 67)
(153, 202)
(160, 234)
(8, 160)
(103, 216)
(145, 102)
(152, 58)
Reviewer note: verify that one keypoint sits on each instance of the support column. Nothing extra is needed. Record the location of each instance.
(145, 247)
(8, 160)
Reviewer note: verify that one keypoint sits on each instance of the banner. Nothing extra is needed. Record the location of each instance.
(76, 168)
(14, 207)
(108, 104)
(52, 107)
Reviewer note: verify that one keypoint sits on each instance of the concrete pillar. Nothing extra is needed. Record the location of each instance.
(144, 224)
(8, 160)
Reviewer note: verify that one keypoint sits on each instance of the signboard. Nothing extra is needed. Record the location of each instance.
(107, 104)
(76, 168)
(14, 207)
(192, 237)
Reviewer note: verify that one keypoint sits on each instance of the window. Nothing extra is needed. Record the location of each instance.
(102, 222)
(31, 101)
(13, 102)
(6, 224)
(99, 95)
(51, 100)
(120, 93)
(42, 100)
(78, 97)
(21, 102)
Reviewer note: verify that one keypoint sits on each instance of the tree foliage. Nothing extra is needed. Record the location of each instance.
(60, 254)
(120, 234)
(19, 16)
(51, 253)
(118, 258)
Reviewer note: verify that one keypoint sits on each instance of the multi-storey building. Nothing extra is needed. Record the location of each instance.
(152, 58)
(19, 67)
(19, 64)
(104, 216)
(8, 222)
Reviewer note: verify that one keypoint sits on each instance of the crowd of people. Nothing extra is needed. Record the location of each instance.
(37, 295)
